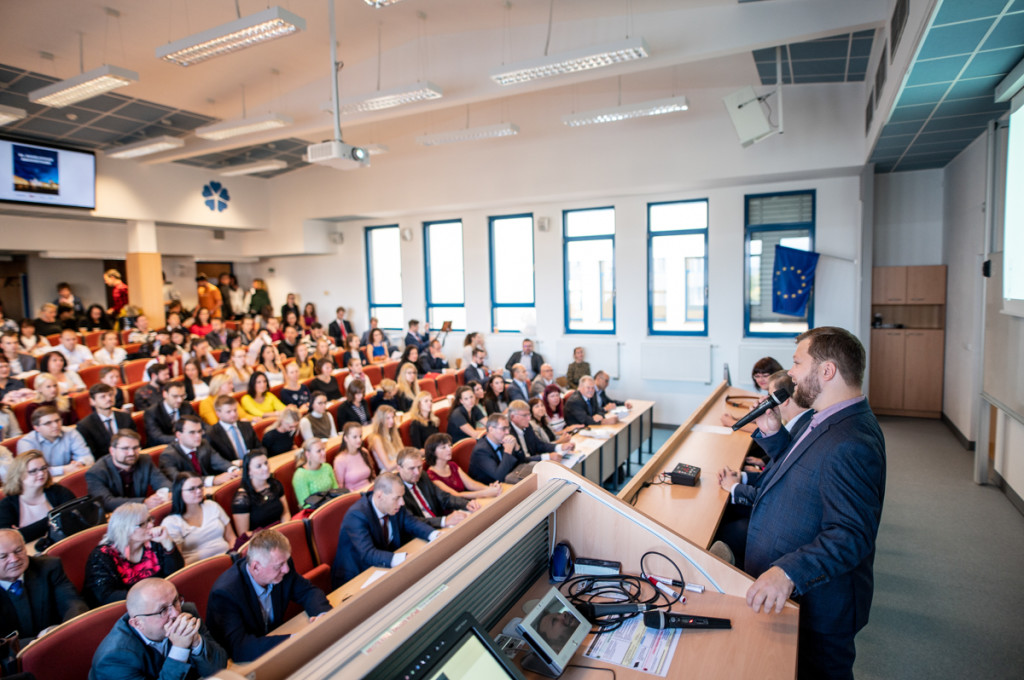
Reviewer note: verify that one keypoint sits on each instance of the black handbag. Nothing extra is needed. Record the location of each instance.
(315, 500)
(70, 518)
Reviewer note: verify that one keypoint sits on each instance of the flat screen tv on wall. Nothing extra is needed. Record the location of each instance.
(47, 175)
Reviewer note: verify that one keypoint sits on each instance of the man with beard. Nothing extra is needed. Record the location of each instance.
(815, 517)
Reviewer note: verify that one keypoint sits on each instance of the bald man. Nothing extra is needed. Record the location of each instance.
(160, 637)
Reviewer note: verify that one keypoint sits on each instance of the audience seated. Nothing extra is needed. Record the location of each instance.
(238, 370)
(542, 424)
(529, 442)
(353, 468)
(544, 380)
(251, 598)
(519, 386)
(259, 401)
(355, 372)
(416, 339)
(35, 594)
(294, 393)
(318, 423)
(97, 427)
(353, 348)
(384, 440)
(160, 637)
(259, 501)
(46, 322)
(65, 450)
(388, 394)
(149, 395)
(340, 329)
(433, 360)
(463, 419)
(19, 360)
(605, 403)
(476, 370)
(56, 364)
(109, 353)
(29, 494)
(230, 437)
(289, 342)
(411, 356)
(423, 499)
(189, 453)
(133, 549)
(407, 384)
(448, 476)
(161, 417)
(424, 422)
(126, 477)
(374, 529)
(111, 375)
(202, 354)
(196, 386)
(198, 526)
(324, 382)
(377, 347)
(280, 437)
(763, 369)
(269, 363)
(220, 386)
(31, 340)
(312, 474)
(353, 409)
(577, 369)
(528, 358)
(497, 453)
(495, 398)
(581, 406)
(76, 355)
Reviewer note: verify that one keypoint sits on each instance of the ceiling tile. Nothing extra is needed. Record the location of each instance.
(903, 114)
(41, 126)
(960, 107)
(922, 94)
(1007, 33)
(995, 62)
(974, 87)
(144, 112)
(96, 136)
(903, 128)
(861, 47)
(820, 49)
(936, 70)
(951, 12)
(104, 103)
(962, 38)
(958, 122)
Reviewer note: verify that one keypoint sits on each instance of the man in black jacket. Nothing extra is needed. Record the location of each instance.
(189, 453)
(97, 427)
(160, 417)
(528, 358)
(230, 437)
(581, 406)
(498, 453)
(423, 499)
(126, 477)
(529, 442)
(35, 594)
(250, 599)
(340, 327)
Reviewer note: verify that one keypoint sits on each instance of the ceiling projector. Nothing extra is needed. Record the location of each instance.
(338, 155)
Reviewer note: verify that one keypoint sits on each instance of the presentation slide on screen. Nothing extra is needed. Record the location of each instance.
(39, 174)
(1013, 216)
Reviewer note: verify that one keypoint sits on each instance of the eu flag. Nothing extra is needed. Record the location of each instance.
(794, 278)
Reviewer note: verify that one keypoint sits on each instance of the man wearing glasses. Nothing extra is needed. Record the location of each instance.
(498, 453)
(161, 636)
(126, 477)
(65, 452)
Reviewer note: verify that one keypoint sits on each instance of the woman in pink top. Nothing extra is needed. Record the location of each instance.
(448, 476)
(352, 466)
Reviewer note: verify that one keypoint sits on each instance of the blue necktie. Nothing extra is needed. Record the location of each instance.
(239, 444)
(16, 589)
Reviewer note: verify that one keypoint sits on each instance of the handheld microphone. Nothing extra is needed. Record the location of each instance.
(661, 620)
(594, 611)
(774, 399)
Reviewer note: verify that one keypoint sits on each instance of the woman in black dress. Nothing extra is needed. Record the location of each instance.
(260, 500)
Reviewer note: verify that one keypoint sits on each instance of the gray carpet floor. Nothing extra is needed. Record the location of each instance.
(949, 568)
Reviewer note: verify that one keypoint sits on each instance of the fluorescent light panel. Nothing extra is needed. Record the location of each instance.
(469, 134)
(584, 59)
(9, 114)
(377, 4)
(625, 112)
(83, 86)
(386, 99)
(242, 126)
(235, 35)
(253, 168)
(145, 147)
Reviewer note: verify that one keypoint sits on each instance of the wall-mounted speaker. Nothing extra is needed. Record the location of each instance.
(336, 237)
(748, 117)
(544, 223)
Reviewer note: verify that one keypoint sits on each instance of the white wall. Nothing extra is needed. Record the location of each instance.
(85, 277)
(908, 218)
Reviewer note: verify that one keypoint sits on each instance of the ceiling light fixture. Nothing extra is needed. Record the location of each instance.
(583, 59)
(377, 4)
(469, 134)
(386, 99)
(83, 86)
(145, 147)
(9, 114)
(242, 126)
(627, 111)
(376, 149)
(254, 29)
(253, 168)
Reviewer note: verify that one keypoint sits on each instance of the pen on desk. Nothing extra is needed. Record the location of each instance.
(664, 588)
(671, 582)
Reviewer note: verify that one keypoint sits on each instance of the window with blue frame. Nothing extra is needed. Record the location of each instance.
(446, 290)
(384, 275)
(785, 219)
(677, 243)
(589, 270)
(512, 273)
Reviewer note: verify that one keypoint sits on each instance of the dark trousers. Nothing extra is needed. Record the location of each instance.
(733, 531)
(823, 656)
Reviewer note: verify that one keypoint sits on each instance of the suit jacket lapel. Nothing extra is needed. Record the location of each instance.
(791, 455)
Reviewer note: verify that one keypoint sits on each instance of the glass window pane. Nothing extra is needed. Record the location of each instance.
(591, 286)
(438, 315)
(516, 319)
(384, 253)
(679, 216)
(512, 259)
(782, 209)
(762, 269)
(444, 260)
(389, 317)
(678, 283)
(599, 222)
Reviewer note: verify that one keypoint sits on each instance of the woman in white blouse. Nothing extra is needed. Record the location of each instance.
(199, 527)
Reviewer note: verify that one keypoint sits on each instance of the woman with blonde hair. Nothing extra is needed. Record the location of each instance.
(238, 369)
(352, 466)
(312, 474)
(280, 437)
(384, 441)
(134, 548)
(29, 495)
(304, 360)
(220, 384)
(407, 383)
(48, 394)
(424, 422)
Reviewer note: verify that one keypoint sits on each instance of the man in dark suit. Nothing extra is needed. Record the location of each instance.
(581, 406)
(434, 360)
(230, 437)
(189, 453)
(340, 328)
(419, 340)
(35, 594)
(815, 518)
(604, 402)
(160, 637)
(373, 530)
(126, 477)
(476, 370)
(97, 427)
(529, 442)
(424, 499)
(498, 453)
(250, 599)
(160, 417)
(528, 358)
(519, 387)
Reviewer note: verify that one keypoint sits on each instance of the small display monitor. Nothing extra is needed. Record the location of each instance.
(554, 630)
(464, 651)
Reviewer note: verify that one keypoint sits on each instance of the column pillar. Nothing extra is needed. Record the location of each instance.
(143, 266)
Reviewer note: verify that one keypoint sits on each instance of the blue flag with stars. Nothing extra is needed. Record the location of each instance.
(793, 280)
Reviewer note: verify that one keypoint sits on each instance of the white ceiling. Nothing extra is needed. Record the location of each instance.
(695, 45)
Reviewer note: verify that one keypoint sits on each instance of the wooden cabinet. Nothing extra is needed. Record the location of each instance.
(907, 361)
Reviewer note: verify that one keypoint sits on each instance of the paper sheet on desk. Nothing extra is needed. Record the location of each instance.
(635, 646)
(373, 577)
(711, 429)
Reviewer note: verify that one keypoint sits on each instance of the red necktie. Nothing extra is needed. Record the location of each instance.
(195, 461)
(423, 502)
